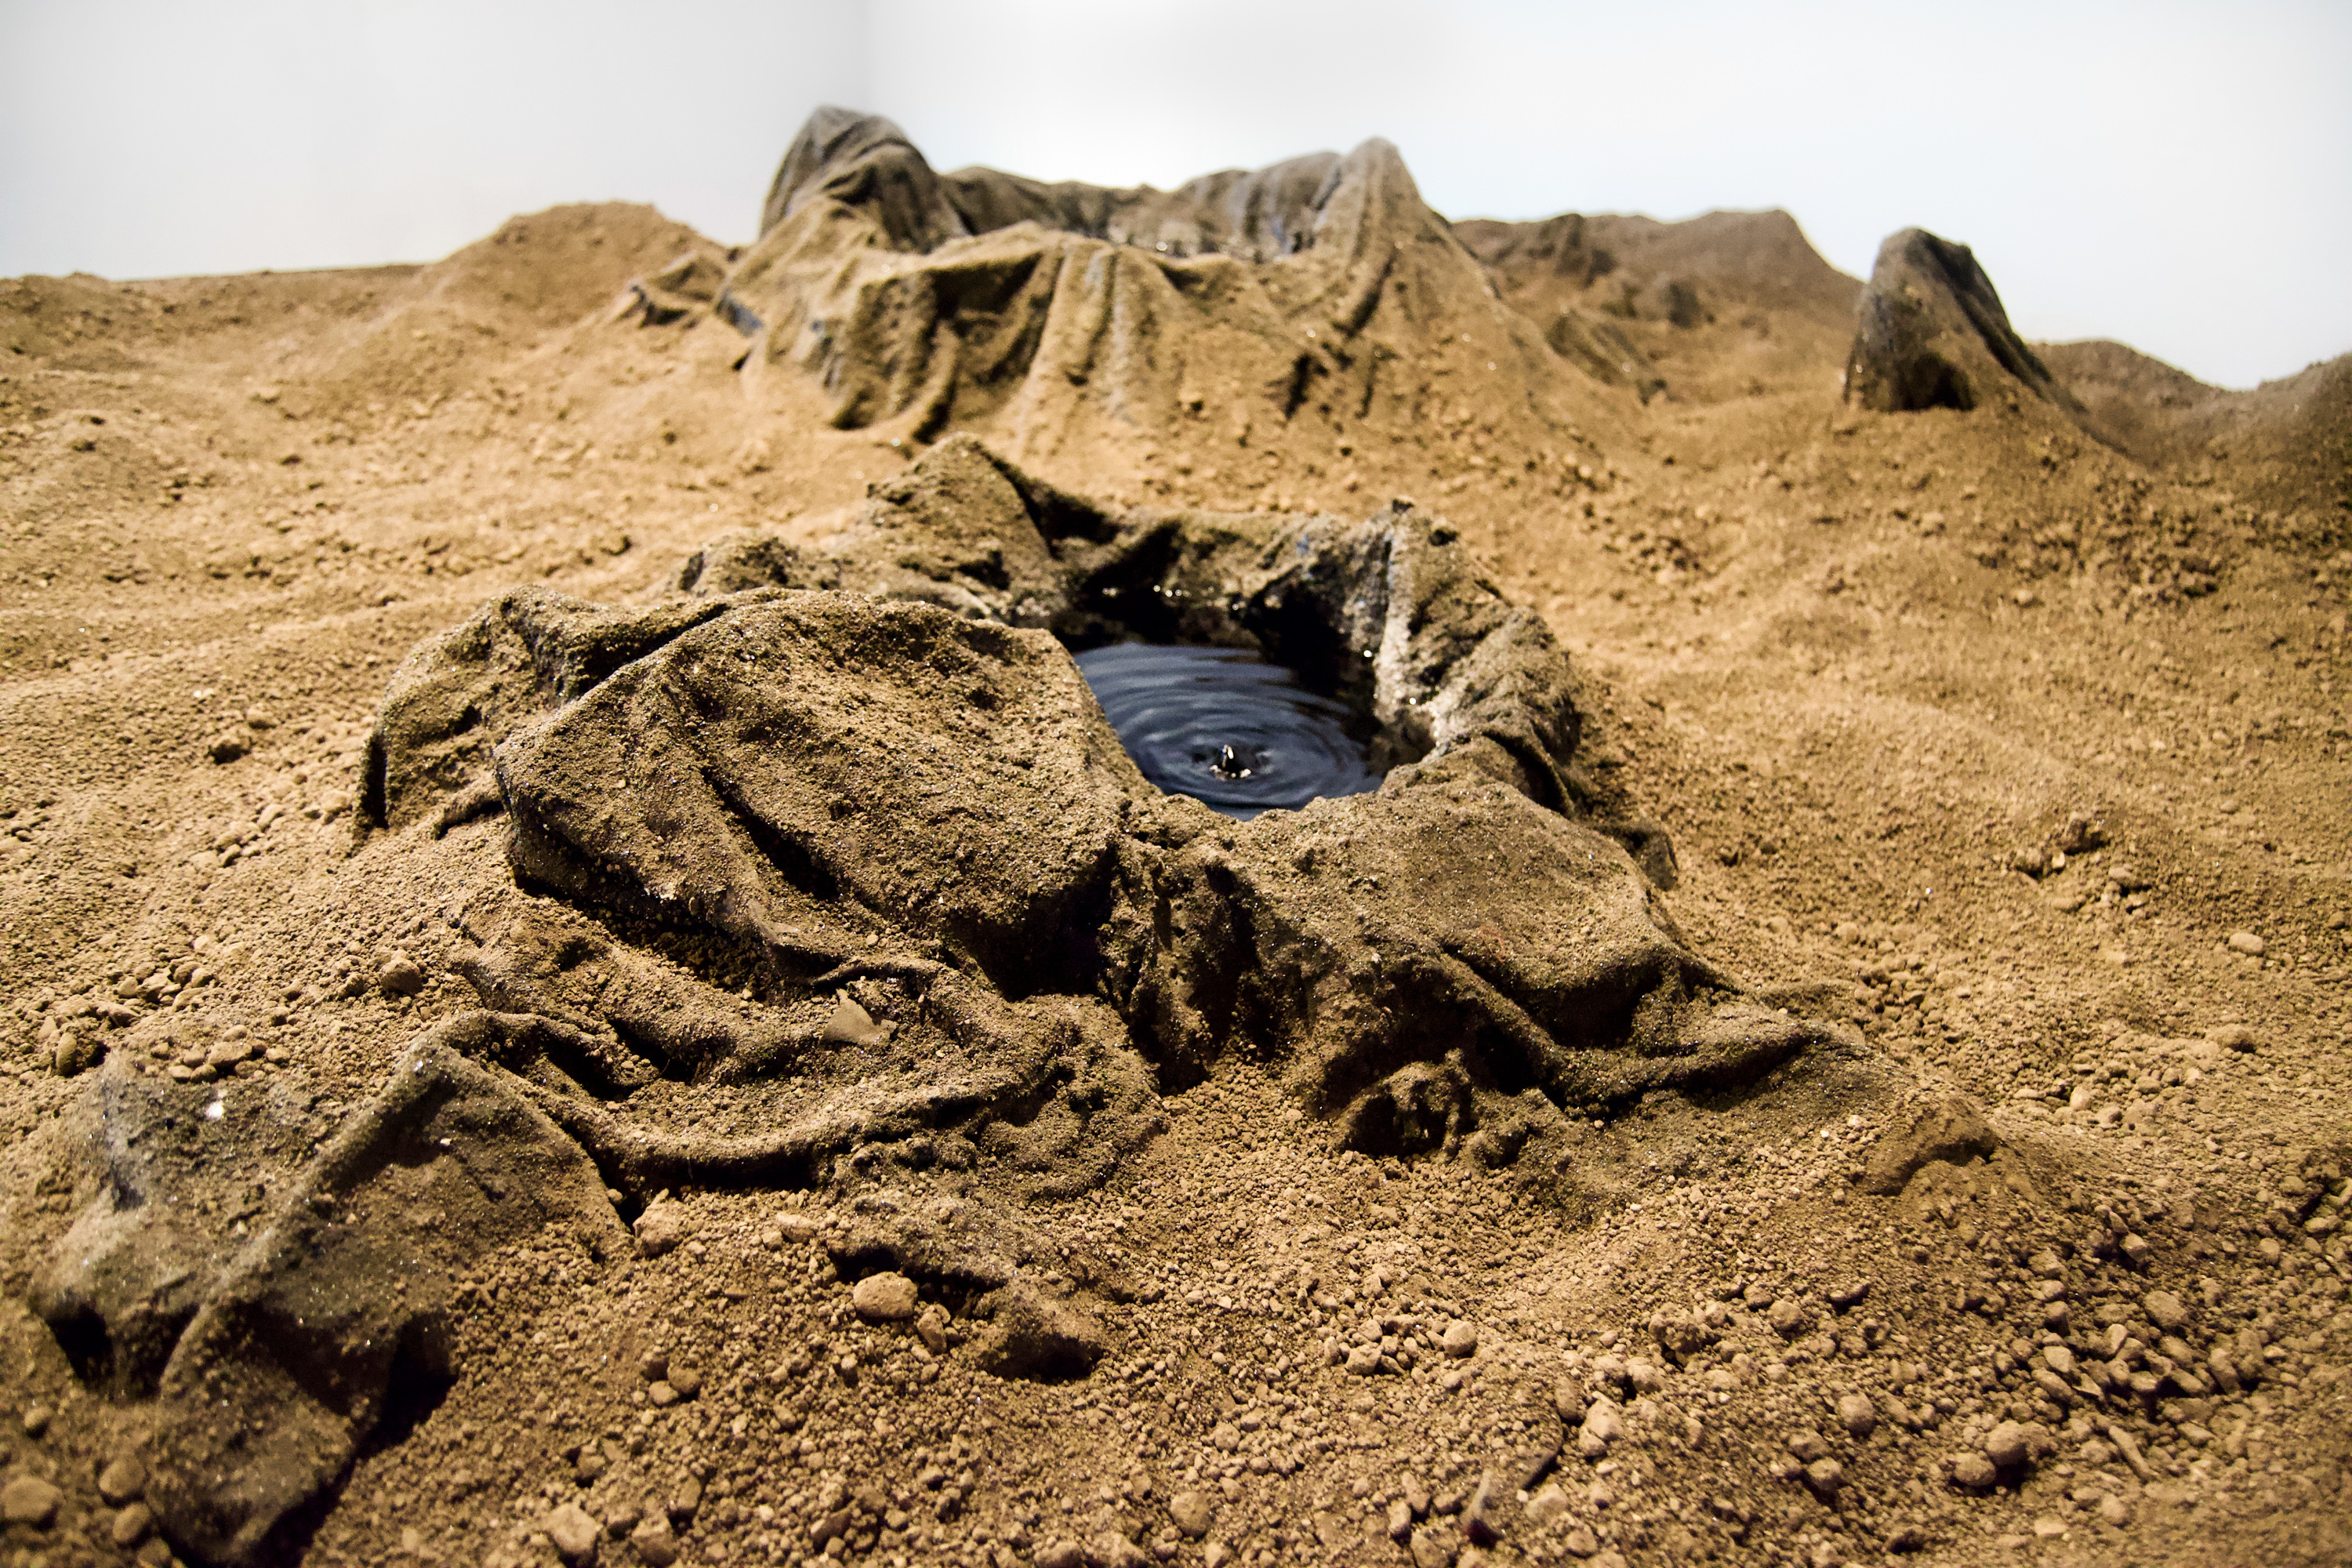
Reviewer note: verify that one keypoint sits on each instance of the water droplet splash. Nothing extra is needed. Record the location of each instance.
(1222, 725)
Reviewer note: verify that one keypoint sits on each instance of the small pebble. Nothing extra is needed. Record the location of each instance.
(400, 976)
(1807, 1446)
(572, 1531)
(1113, 1549)
(229, 1054)
(123, 1479)
(852, 1025)
(28, 1501)
(1482, 1520)
(1459, 1340)
(130, 1525)
(2054, 1388)
(1193, 1512)
(2165, 1310)
(884, 1299)
(2247, 943)
(1603, 1421)
(1860, 1416)
(655, 1541)
(1787, 1318)
(1973, 1470)
(2008, 1445)
(36, 1419)
(661, 1228)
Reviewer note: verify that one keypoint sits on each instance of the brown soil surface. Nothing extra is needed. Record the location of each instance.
(2012, 761)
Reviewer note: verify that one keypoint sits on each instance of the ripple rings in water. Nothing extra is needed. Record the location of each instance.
(1226, 728)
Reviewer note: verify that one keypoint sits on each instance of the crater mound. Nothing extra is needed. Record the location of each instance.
(824, 868)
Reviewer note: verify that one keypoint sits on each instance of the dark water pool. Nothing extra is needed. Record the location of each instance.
(1226, 728)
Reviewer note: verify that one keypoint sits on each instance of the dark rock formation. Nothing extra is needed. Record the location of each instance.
(1930, 333)
(864, 161)
(923, 301)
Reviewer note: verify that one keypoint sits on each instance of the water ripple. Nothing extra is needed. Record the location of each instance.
(1226, 728)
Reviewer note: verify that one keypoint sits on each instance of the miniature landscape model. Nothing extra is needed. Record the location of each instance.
(1034, 875)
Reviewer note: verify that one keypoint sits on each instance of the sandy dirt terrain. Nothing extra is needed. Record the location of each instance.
(624, 1109)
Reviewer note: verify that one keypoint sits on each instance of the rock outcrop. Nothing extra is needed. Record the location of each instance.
(917, 302)
(1930, 333)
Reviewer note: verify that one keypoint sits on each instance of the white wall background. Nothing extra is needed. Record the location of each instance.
(2176, 175)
